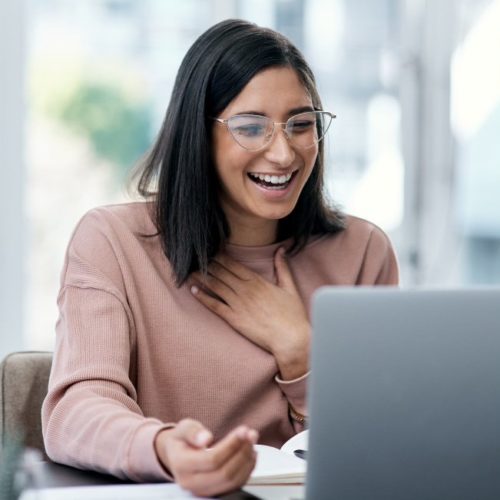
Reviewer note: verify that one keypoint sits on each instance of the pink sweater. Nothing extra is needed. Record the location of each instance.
(134, 353)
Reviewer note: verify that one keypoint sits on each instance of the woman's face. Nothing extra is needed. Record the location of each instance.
(246, 197)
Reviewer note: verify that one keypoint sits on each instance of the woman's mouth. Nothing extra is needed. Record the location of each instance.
(274, 182)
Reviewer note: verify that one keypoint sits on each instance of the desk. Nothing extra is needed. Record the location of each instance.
(51, 475)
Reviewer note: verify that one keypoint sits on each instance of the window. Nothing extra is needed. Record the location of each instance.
(414, 148)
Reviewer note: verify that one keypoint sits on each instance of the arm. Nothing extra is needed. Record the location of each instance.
(91, 418)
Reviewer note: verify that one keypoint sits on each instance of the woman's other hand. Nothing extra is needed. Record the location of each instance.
(184, 452)
(272, 316)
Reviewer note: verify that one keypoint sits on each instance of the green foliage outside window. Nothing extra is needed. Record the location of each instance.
(118, 129)
(108, 105)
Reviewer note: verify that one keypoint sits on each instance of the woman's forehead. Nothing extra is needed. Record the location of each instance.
(276, 90)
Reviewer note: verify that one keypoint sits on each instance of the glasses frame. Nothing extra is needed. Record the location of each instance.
(282, 125)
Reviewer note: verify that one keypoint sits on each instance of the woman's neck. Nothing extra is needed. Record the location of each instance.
(253, 233)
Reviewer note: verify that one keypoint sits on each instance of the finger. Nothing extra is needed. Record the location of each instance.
(283, 272)
(190, 461)
(219, 271)
(193, 433)
(237, 470)
(232, 444)
(187, 439)
(216, 283)
(238, 269)
(215, 305)
(199, 281)
(232, 475)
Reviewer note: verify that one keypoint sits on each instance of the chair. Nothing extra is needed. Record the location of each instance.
(24, 378)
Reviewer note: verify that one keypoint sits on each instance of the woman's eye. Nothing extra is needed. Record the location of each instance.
(302, 125)
(250, 130)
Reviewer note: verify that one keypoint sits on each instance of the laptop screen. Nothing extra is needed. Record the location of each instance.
(404, 394)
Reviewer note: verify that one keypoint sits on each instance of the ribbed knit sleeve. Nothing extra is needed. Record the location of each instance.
(90, 418)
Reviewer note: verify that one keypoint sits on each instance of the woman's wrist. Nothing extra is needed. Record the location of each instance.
(293, 360)
(160, 446)
(294, 364)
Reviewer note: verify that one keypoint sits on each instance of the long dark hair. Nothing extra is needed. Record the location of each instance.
(178, 173)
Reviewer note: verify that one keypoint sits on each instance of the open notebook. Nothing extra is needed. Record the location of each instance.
(280, 466)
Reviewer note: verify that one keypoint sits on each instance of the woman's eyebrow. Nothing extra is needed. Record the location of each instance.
(251, 112)
(291, 112)
(302, 109)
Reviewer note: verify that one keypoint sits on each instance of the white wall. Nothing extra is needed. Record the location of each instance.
(12, 168)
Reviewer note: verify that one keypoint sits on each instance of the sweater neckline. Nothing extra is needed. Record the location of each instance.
(245, 253)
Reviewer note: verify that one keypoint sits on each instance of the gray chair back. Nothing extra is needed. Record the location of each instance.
(24, 378)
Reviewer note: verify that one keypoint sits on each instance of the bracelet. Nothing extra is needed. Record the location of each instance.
(298, 417)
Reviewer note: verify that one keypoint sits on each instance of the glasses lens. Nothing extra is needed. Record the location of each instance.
(307, 129)
(250, 131)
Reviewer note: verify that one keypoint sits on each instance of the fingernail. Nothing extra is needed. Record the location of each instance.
(203, 438)
(252, 436)
(241, 432)
(194, 290)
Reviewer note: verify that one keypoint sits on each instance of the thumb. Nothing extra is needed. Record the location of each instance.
(194, 433)
(283, 273)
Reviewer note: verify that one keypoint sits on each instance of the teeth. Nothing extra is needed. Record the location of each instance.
(273, 179)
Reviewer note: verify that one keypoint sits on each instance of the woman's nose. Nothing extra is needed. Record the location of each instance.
(279, 150)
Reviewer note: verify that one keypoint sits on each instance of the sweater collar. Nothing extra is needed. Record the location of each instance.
(243, 253)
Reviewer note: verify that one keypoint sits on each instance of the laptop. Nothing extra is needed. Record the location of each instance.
(404, 395)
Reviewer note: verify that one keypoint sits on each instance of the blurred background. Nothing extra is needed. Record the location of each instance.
(415, 148)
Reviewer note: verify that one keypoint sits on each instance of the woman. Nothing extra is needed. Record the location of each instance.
(183, 335)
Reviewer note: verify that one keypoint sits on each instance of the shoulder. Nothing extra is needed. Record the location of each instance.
(357, 234)
(133, 218)
(361, 230)
(107, 239)
(361, 253)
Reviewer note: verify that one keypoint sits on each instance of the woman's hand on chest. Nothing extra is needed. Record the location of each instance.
(272, 316)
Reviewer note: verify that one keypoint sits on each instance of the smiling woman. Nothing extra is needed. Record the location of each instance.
(260, 186)
(184, 327)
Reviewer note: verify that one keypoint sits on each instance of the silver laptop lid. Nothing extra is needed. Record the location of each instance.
(404, 394)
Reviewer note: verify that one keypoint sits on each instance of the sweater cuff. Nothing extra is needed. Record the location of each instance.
(295, 391)
(143, 463)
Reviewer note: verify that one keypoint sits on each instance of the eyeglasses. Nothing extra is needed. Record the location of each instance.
(255, 132)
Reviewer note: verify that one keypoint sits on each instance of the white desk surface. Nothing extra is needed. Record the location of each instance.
(152, 492)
